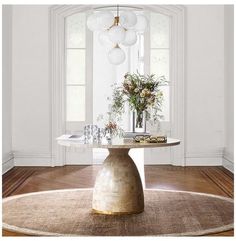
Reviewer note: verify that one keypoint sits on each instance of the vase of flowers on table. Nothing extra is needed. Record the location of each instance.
(144, 97)
(110, 122)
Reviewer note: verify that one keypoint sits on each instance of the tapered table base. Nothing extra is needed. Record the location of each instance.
(118, 188)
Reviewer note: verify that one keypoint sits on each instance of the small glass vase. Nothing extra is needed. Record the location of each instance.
(109, 134)
(139, 122)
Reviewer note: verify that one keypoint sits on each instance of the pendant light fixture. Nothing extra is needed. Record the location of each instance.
(119, 30)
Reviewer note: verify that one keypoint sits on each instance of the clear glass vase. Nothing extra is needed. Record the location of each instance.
(139, 121)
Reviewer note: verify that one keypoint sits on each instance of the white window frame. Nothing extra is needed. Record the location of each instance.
(78, 125)
(58, 14)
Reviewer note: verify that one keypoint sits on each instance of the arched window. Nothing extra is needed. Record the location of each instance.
(82, 75)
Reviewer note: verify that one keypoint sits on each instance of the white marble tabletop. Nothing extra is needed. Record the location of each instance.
(118, 143)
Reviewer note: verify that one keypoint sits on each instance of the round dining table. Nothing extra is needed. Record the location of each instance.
(118, 188)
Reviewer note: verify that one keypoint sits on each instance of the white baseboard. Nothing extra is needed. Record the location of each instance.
(97, 161)
(45, 159)
(8, 163)
(204, 158)
(228, 161)
(203, 161)
(228, 165)
(161, 162)
(32, 159)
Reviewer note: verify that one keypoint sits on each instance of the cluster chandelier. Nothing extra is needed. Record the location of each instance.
(120, 30)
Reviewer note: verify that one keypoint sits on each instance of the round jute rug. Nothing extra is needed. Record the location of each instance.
(68, 213)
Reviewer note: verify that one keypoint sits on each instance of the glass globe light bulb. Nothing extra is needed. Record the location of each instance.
(141, 24)
(116, 34)
(92, 22)
(104, 40)
(116, 56)
(100, 20)
(130, 38)
(105, 19)
(128, 19)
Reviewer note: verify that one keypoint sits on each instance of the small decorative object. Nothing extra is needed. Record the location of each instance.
(110, 130)
(101, 134)
(110, 121)
(121, 29)
(90, 133)
(144, 97)
(141, 138)
(150, 139)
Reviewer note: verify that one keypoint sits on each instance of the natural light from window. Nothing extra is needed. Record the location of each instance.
(75, 67)
(156, 48)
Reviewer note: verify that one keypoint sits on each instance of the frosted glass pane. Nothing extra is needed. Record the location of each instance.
(75, 66)
(141, 46)
(159, 28)
(166, 102)
(160, 62)
(75, 103)
(75, 29)
(141, 67)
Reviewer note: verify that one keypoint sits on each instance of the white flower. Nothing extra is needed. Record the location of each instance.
(142, 94)
(136, 90)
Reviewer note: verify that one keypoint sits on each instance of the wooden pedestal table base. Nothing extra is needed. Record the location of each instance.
(118, 187)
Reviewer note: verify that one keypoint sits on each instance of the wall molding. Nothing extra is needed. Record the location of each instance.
(46, 159)
(58, 13)
(228, 161)
(177, 76)
(203, 161)
(7, 163)
(207, 153)
(204, 158)
(33, 159)
(178, 92)
(228, 165)
(229, 156)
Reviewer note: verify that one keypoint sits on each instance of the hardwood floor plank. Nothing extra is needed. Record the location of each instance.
(221, 179)
(227, 172)
(15, 181)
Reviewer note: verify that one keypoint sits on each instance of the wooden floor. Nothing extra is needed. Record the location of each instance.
(214, 180)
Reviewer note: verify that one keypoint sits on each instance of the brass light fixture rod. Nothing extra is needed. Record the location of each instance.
(116, 20)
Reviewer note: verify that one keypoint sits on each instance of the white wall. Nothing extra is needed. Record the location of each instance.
(31, 118)
(204, 87)
(6, 86)
(228, 160)
(204, 52)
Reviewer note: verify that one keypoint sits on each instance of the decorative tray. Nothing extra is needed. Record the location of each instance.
(150, 139)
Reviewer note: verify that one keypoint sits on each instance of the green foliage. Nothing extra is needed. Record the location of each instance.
(142, 94)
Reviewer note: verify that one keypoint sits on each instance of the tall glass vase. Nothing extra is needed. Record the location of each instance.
(139, 122)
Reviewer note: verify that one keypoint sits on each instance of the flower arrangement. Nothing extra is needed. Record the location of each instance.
(142, 94)
(112, 129)
(111, 126)
(110, 120)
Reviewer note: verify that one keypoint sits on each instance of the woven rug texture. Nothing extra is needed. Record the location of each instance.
(68, 213)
